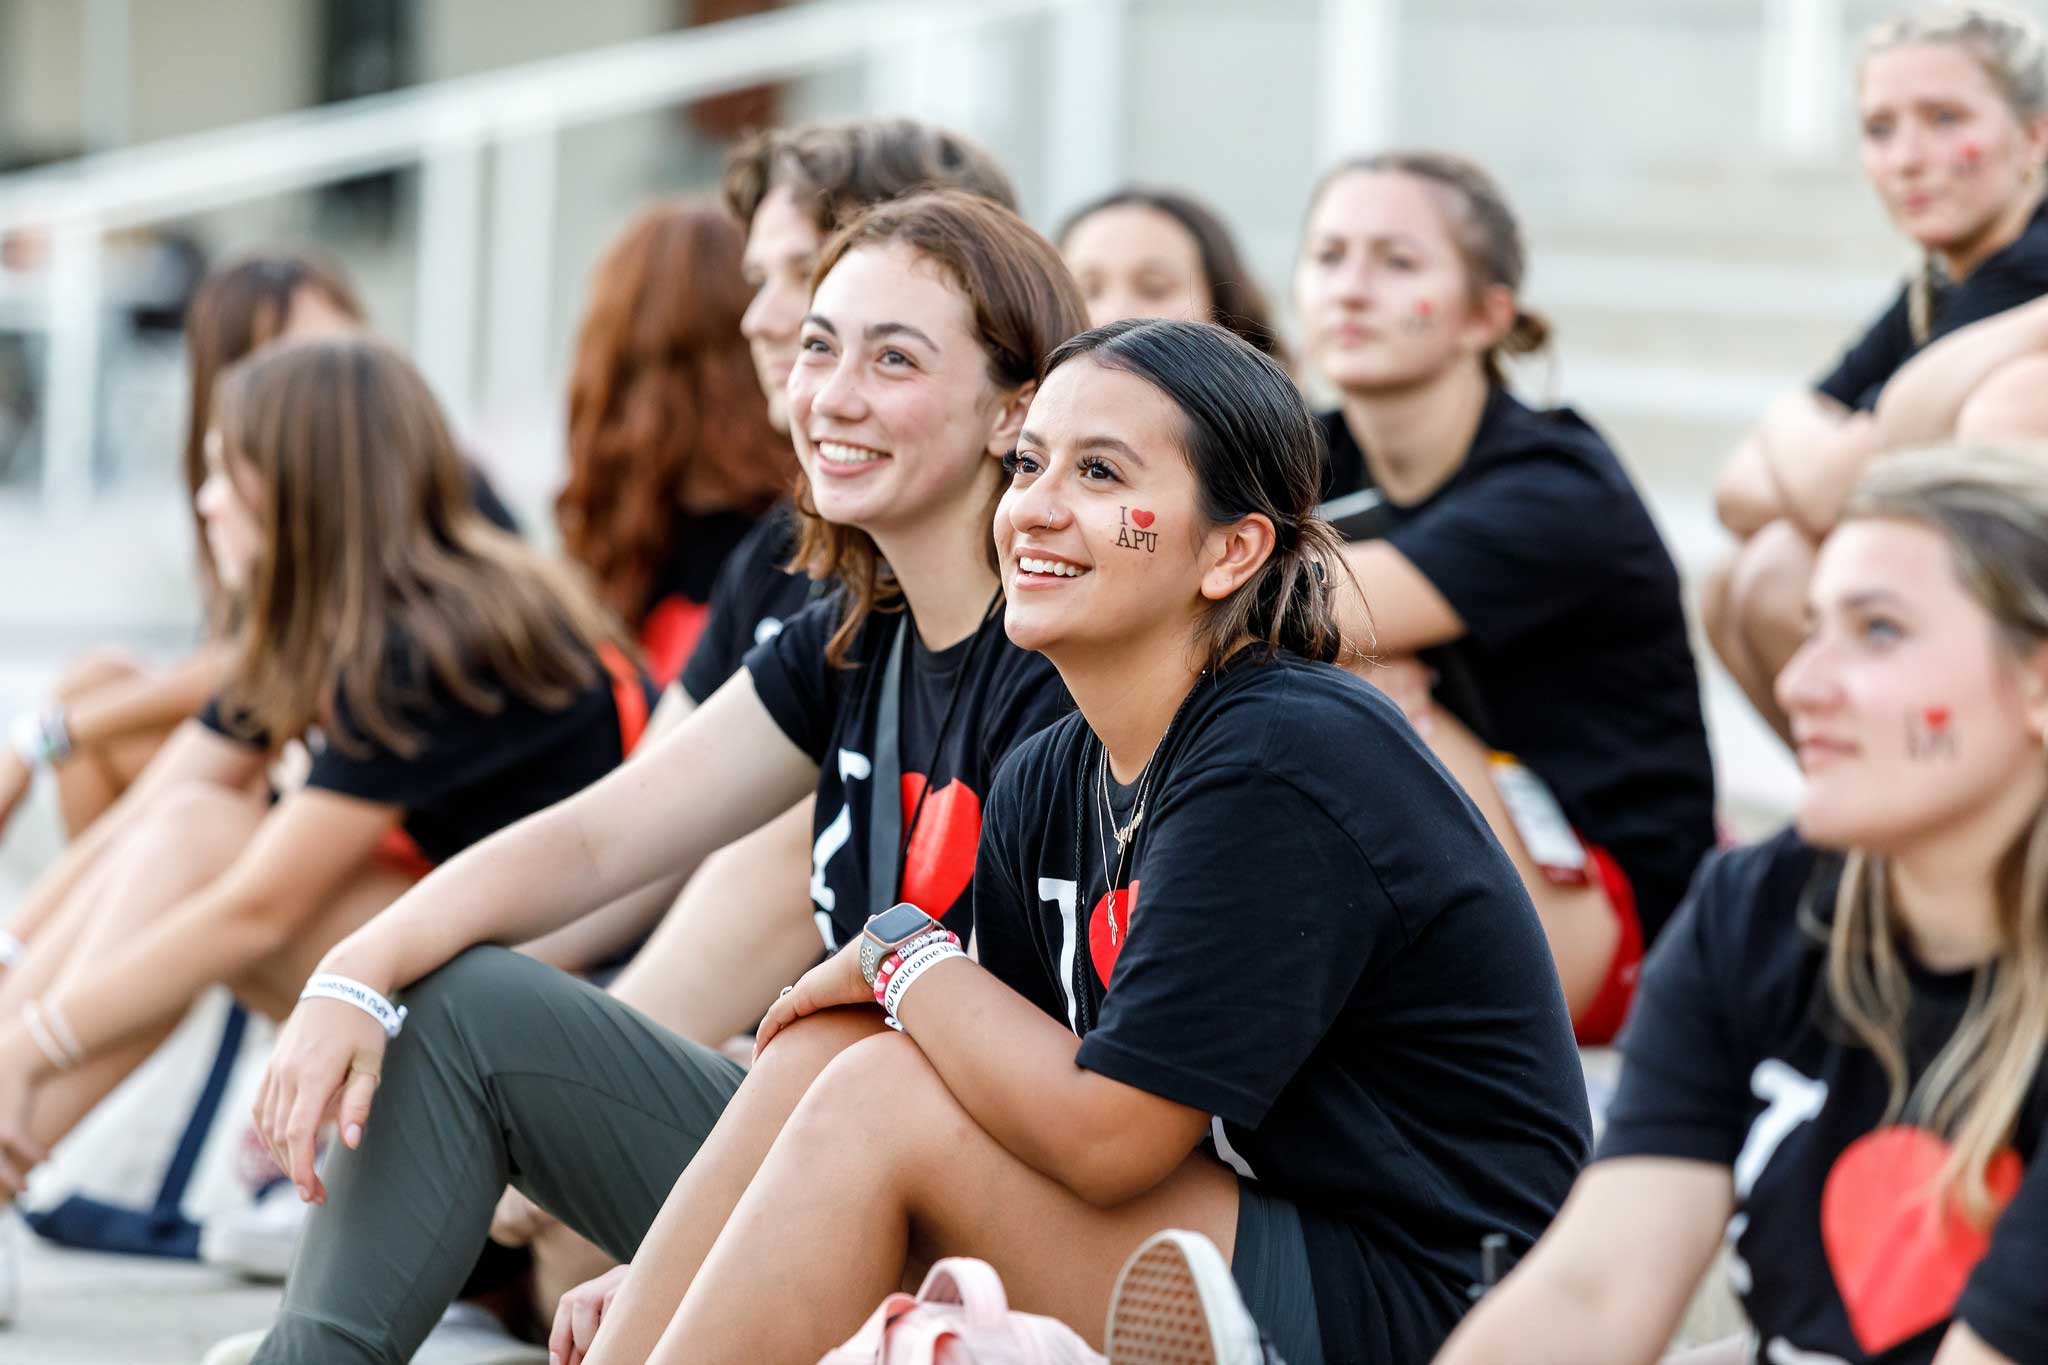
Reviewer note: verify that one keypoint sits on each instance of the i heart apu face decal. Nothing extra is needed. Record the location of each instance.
(1899, 1260)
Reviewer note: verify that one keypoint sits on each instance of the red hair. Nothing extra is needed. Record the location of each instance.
(666, 415)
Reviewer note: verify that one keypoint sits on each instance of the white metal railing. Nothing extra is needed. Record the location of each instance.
(920, 57)
(447, 129)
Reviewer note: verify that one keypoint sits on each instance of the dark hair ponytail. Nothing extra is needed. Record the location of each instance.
(1254, 448)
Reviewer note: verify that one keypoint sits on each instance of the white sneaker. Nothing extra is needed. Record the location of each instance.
(257, 1242)
(466, 1335)
(239, 1349)
(1176, 1304)
(10, 1263)
(469, 1335)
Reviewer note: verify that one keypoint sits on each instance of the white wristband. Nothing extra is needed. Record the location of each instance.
(913, 967)
(42, 740)
(11, 949)
(328, 986)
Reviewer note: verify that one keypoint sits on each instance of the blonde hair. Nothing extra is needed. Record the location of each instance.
(2010, 49)
(1991, 506)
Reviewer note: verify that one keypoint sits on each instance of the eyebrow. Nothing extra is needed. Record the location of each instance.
(1872, 597)
(876, 331)
(1088, 443)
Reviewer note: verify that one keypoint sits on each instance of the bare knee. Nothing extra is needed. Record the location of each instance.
(2010, 404)
(920, 1112)
(94, 670)
(1767, 583)
(1717, 611)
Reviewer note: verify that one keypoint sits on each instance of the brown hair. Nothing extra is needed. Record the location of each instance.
(837, 169)
(237, 309)
(1488, 237)
(1991, 506)
(1235, 299)
(1024, 302)
(372, 542)
(1254, 448)
(666, 417)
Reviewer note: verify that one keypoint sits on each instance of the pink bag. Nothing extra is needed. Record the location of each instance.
(960, 1317)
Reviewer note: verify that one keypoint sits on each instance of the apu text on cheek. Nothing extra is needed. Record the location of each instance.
(1930, 734)
(1134, 537)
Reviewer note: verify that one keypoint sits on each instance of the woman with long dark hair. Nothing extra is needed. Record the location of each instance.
(446, 679)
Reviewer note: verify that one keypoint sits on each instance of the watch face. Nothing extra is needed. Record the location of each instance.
(897, 922)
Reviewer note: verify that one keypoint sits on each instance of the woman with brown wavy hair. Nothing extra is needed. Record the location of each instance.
(110, 717)
(108, 714)
(893, 700)
(671, 456)
(447, 679)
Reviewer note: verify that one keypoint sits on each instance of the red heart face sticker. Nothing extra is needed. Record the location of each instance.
(939, 863)
(1109, 926)
(1142, 517)
(1900, 1261)
(1937, 717)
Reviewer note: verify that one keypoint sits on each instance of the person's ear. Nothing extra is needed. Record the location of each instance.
(2034, 693)
(1009, 420)
(2034, 138)
(1491, 318)
(1235, 553)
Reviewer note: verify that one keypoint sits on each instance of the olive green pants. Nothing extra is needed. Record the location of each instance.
(508, 1072)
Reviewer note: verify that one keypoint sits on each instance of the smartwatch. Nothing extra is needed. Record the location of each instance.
(887, 932)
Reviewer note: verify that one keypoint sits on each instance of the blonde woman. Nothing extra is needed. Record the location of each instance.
(1953, 106)
(1839, 1042)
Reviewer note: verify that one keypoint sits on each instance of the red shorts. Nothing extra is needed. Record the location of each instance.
(1604, 1014)
(398, 852)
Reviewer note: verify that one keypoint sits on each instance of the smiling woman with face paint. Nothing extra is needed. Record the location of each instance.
(1521, 603)
(1222, 986)
(893, 700)
(1953, 105)
(1840, 1040)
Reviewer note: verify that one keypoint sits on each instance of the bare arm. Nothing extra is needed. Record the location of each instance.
(301, 854)
(723, 772)
(1798, 464)
(1394, 610)
(1012, 1067)
(193, 753)
(584, 943)
(1923, 399)
(1961, 1346)
(155, 700)
(1610, 1280)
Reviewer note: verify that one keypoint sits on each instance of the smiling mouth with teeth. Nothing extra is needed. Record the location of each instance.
(1057, 568)
(837, 452)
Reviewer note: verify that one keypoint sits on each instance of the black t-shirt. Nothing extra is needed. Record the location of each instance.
(677, 610)
(1318, 943)
(1734, 1057)
(2015, 274)
(751, 601)
(1575, 657)
(998, 696)
(473, 773)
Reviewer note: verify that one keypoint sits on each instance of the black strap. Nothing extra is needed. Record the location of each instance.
(885, 789)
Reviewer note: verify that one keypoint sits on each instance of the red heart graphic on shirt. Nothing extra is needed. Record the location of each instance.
(1142, 517)
(939, 863)
(1109, 927)
(1900, 1261)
